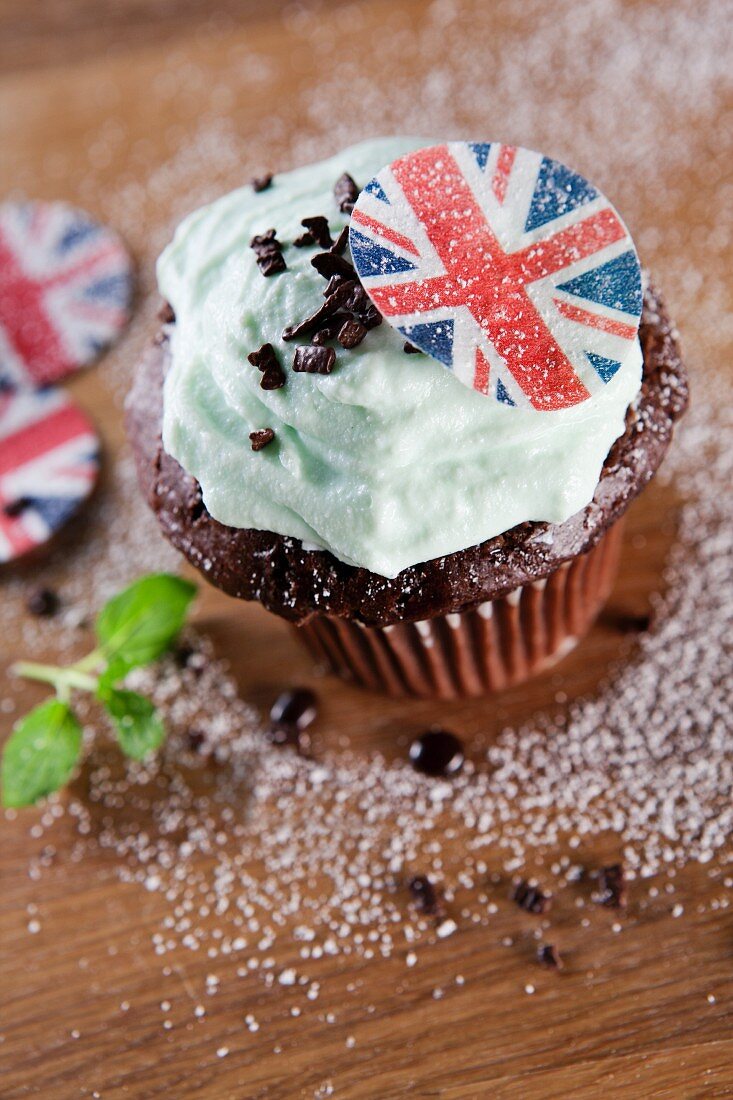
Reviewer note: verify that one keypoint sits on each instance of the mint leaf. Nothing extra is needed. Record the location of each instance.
(139, 726)
(41, 754)
(141, 623)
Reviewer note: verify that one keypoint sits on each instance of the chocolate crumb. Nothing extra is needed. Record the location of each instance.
(410, 349)
(268, 248)
(261, 183)
(333, 284)
(346, 193)
(261, 438)
(329, 263)
(16, 507)
(311, 359)
(548, 955)
(272, 263)
(166, 314)
(328, 332)
(319, 231)
(333, 303)
(43, 602)
(351, 334)
(195, 739)
(339, 245)
(530, 898)
(612, 887)
(304, 240)
(424, 895)
(265, 359)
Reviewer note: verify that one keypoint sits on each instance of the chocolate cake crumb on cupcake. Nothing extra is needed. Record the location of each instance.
(438, 523)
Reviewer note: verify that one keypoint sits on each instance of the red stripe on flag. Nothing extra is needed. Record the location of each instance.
(488, 281)
(481, 373)
(389, 234)
(35, 440)
(605, 324)
(504, 164)
(26, 323)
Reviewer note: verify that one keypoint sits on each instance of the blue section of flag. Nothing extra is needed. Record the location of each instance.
(375, 188)
(480, 150)
(605, 368)
(113, 289)
(557, 191)
(435, 338)
(502, 394)
(371, 259)
(75, 234)
(616, 284)
(54, 511)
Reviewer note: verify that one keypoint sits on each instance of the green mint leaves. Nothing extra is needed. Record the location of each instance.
(134, 628)
(41, 753)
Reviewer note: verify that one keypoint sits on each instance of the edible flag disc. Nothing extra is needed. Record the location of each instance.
(49, 462)
(65, 290)
(507, 267)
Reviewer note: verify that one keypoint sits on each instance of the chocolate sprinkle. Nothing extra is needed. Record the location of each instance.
(272, 263)
(44, 602)
(273, 376)
(319, 231)
(304, 240)
(351, 334)
(261, 438)
(548, 955)
(333, 284)
(341, 241)
(530, 898)
(612, 887)
(346, 193)
(268, 248)
(310, 359)
(261, 183)
(424, 895)
(410, 349)
(329, 263)
(317, 320)
(328, 332)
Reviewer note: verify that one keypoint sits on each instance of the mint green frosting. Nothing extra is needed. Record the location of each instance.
(388, 461)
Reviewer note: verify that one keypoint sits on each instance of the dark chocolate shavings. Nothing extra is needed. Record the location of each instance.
(309, 359)
(351, 334)
(318, 319)
(410, 349)
(612, 887)
(272, 263)
(339, 245)
(273, 376)
(329, 332)
(346, 193)
(530, 898)
(304, 240)
(261, 438)
(328, 264)
(261, 183)
(318, 229)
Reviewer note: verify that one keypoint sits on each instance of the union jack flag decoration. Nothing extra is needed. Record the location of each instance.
(65, 290)
(48, 466)
(506, 266)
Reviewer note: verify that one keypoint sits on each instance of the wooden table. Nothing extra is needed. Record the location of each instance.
(90, 106)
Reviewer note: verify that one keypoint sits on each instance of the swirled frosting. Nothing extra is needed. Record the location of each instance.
(389, 460)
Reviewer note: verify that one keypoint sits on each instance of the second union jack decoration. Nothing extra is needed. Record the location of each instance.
(506, 266)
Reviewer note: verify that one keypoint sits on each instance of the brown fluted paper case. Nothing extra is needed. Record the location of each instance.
(478, 651)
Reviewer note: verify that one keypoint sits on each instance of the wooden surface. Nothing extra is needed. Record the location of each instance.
(630, 1015)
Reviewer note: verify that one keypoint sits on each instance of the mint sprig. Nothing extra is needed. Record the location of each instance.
(133, 629)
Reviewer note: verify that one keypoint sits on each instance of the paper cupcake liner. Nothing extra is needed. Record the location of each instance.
(482, 650)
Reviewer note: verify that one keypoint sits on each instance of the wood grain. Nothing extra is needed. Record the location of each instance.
(640, 1012)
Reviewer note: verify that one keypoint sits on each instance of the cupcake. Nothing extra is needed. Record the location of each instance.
(403, 398)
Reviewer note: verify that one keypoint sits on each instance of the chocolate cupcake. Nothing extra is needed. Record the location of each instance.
(432, 499)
